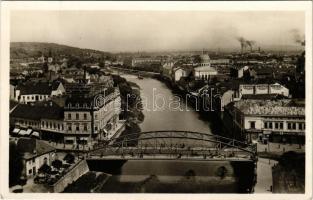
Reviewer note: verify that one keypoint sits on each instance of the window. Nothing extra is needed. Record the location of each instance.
(289, 125)
(292, 126)
(58, 126)
(276, 125)
(252, 125)
(281, 125)
(69, 116)
(77, 127)
(30, 171)
(96, 128)
(270, 125)
(69, 127)
(77, 116)
(85, 116)
(85, 127)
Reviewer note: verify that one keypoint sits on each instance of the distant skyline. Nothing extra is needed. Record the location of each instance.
(132, 31)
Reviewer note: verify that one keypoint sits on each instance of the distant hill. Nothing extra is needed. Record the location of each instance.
(36, 49)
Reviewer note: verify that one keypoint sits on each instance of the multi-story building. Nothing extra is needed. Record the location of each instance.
(257, 89)
(145, 60)
(281, 120)
(45, 117)
(89, 113)
(92, 117)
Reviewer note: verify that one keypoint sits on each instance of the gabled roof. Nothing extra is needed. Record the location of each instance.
(33, 148)
(43, 88)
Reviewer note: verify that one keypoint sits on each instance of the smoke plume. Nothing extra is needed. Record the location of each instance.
(297, 37)
(245, 43)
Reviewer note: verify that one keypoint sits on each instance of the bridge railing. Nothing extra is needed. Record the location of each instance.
(163, 142)
(135, 152)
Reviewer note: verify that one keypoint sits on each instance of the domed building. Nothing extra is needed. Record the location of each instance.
(204, 70)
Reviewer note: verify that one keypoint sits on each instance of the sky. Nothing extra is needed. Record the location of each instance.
(120, 31)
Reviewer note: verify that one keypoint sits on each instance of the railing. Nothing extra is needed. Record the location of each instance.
(161, 142)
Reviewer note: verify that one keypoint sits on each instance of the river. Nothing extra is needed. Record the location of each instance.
(164, 110)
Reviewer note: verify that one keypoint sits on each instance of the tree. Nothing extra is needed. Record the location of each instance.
(69, 158)
(44, 168)
(57, 164)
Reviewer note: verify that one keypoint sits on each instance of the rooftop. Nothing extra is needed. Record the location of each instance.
(269, 107)
(37, 87)
(32, 147)
(42, 110)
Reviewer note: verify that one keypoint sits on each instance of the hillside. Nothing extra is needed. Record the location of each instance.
(35, 49)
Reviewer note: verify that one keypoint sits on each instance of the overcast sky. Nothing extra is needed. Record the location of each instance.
(155, 30)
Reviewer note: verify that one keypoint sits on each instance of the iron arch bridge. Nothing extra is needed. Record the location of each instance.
(174, 144)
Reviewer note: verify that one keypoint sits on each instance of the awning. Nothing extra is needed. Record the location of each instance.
(69, 138)
(23, 132)
(29, 131)
(35, 133)
(16, 130)
(267, 132)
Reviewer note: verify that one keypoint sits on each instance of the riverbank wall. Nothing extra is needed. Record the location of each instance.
(70, 177)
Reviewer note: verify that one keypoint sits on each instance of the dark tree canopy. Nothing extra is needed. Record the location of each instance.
(57, 164)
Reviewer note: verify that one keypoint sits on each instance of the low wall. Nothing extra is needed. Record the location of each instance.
(77, 171)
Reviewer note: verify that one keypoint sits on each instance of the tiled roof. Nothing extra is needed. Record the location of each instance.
(42, 110)
(33, 147)
(269, 107)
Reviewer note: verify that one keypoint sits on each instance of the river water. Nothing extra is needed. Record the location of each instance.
(164, 110)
